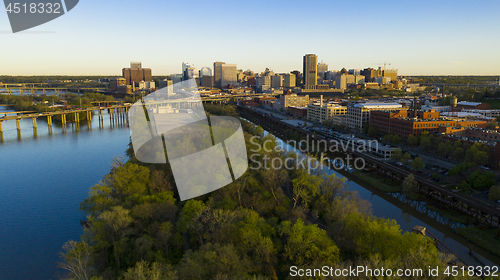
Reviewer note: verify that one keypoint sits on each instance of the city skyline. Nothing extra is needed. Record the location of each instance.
(424, 38)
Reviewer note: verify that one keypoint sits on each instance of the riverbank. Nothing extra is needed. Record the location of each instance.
(484, 238)
(379, 184)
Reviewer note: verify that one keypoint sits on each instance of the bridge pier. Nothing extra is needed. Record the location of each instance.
(1, 127)
(63, 120)
(34, 123)
(18, 124)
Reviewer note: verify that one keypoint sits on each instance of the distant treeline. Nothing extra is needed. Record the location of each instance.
(44, 79)
(463, 80)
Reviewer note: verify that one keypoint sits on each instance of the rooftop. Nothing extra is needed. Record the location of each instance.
(467, 103)
(374, 105)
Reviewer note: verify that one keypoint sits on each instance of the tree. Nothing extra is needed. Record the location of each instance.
(369, 235)
(77, 260)
(372, 131)
(481, 180)
(305, 187)
(410, 186)
(118, 220)
(144, 271)
(412, 140)
(458, 153)
(396, 139)
(331, 187)
(436, 176)
(417, 164)
(464, 186)
(494, 193)
(481, 158)
(397, 155)
(443, 149)
(425, 143)
(159, 182)
(214, 261)
(406, 158)
(307, 244)
(131, 179)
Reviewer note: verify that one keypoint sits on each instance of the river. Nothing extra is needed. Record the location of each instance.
(43, 179)
(42, 182)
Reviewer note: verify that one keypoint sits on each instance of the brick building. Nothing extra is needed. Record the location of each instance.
(465, 105)
(403, 122)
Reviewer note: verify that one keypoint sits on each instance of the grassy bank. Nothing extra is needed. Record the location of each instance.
(447, 214)
(375, 182)
(484, 238)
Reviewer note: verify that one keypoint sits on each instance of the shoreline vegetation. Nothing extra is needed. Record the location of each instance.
(258, 227)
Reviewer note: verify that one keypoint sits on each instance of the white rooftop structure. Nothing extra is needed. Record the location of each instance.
(374, 105)
(461, 114)
(467, 103)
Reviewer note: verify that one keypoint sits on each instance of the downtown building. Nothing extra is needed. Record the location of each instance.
(321, 111)
(310, 71)
(136, 74)
(205, 71)
(292, 99)
(358, 114)
(310, 84)
(289, 81)
(225, 74)
(405, 123)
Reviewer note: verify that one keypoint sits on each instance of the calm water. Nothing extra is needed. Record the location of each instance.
(44, 179)
(42, 182)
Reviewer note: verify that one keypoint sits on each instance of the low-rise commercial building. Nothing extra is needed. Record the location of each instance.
(320, 111)
(404, 123)
(358, 114)
(298, 111)
(464, 105)
(291, 99)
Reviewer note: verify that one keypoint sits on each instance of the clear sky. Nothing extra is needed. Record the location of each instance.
(437, 37)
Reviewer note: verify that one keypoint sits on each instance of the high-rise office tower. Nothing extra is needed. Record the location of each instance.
(310, 71)
(185, 65)
(190, 73)
(207, 81)
(322, 67)
(205, 71)
(135, 65)
(134, 75)
(276, 81)
(228, 75)
(289, 80)
(218, 73)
